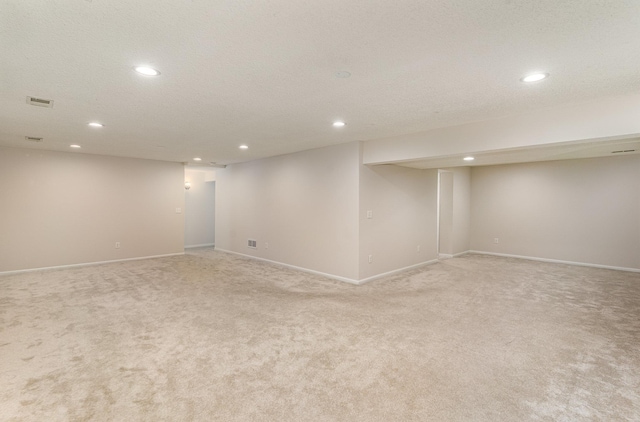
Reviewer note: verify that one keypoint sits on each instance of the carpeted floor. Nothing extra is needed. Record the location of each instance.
(211, 336)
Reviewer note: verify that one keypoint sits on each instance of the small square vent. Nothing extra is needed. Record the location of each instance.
(39, 102)
(32, 139)
(252, 243)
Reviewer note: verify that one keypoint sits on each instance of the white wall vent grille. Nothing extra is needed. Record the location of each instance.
(39, 102)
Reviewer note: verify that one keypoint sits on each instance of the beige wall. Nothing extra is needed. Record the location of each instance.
(404, 209)
(311, 208)
(66, 208)
(304, 205)
(584, 211)
(200, 206)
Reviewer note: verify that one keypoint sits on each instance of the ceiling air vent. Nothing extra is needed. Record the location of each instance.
(32, 139)
(39, 102)
(626, 150)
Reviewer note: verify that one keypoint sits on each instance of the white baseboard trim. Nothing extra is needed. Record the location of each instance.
(202, 245)
(399, 270)
(558, 261)
(332, 276)
(306, 270)
(455, 255)
(86, 264)
(443, 256)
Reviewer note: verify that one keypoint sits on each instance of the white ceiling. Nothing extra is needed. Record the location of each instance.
(263, 73)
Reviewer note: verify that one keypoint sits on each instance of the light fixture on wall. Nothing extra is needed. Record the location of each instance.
(187, 185)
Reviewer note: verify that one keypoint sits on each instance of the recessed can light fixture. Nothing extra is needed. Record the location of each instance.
(338, 124)
(146, 71)
(534, 77)
(75, 146)
(243, 147)
(96, 124)
(197, 159)
(468, 158)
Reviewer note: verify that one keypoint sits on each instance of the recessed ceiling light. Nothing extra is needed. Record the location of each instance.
(96, 124)
(197, 159)
(338, 124)
(75, 146)
(468, 158)
(243, 147)
(343, 74)
(534, 77)
(147, 71)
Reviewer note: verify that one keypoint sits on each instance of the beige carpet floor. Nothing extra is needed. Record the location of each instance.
(211, 336)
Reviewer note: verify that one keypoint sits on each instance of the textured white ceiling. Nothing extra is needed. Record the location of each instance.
(263, 72)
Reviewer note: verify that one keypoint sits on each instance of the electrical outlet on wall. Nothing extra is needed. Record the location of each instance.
(496, 240)
(418, 248)
(266, 245)
(370, 259)
(117, 245)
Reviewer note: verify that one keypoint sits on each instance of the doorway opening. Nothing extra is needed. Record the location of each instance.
(445, 214)
(200, 203)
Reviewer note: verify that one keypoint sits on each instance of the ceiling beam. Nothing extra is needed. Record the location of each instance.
(612, 118)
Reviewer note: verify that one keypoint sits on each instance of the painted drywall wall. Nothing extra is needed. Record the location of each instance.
(402, 229)
(200, 206)
(584, 211)
(65, 208)
(303, 205)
